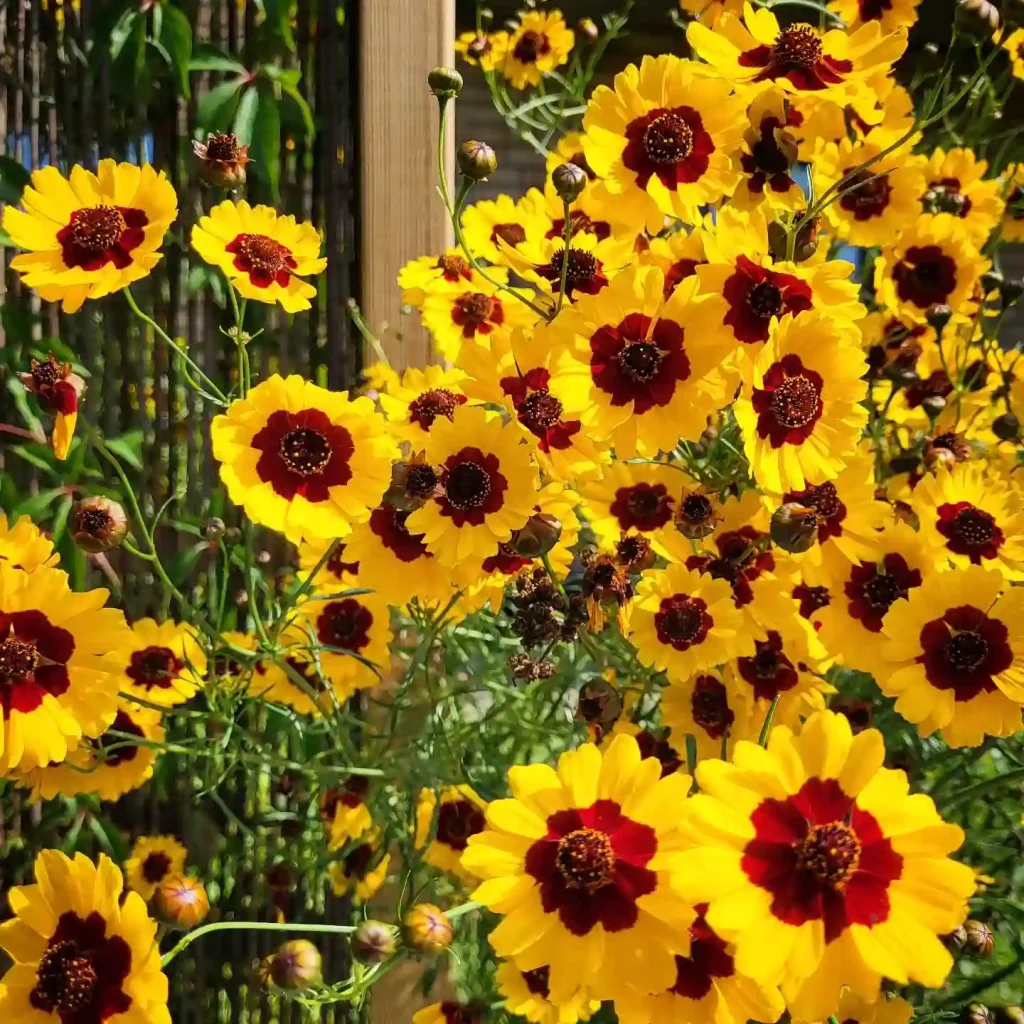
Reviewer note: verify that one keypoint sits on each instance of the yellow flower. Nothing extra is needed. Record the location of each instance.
(800, 412)
(580, 864)
(639, 371)
(428, 274)
(109, 765)
(934, 261)
(450, 1012)
(1013, 222)
(484, 49)
(80, 953)
(684, 622)
(798, 58)
(91, 234)
(344, 811)
(491, 221)
(460, 815)
(153, 858)
(677, 255)
(161, 663)
(24, 546)
(956, 184)
(541, 43)
(263, 255)
(889, 199)
(488, 487)
(57, 672)
(363, 869)
(1013, 44)
(821, 869)
(714, 714)
(527, 994)
(303, 460)
(884, 1010)
(660, 140)
(955, 656)
(412, 404)
(890, 14)
(339, 572)
(379, 377)
(709, 11)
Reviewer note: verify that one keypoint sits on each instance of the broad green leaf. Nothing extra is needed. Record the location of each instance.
(35, 506)
(121, 32)
(128, 447)
(266, 141)
(245, 116)
(13, 179)
(175, 35)
(218, 105)
(206, 57)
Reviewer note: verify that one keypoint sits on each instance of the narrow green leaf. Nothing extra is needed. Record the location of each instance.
(128, 447)
(60, 518)
(175, 36)
(292, 91)
(207, 57)
(245, 116)
(266, 141)
(13, 179)
(35, 506)
(121, 32)
(218, 105)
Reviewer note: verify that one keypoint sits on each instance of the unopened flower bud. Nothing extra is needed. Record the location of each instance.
(1006, 427)
(979, 938)
(445, 83)
(476, 160)
(938, 315)
(181, 901)
(569, 181)
(540, 534)
(486, 16)
(413, 484)
(957, 938)
(588, 30)
(696, 516)
(992, 280)
(427, 929)
(296, 965)
(97, 524)
(976, 19)
(794, 528)
(221, 160)
(213, 529)
(977, 1013)
(933, 405)
(373, 942)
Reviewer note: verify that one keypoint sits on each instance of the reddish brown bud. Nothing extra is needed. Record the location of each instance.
(221, 160)
(97, 524)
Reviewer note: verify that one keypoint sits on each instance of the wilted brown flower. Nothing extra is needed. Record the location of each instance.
(696, 515)
(607, 587)
(221, 160)
(97, 524)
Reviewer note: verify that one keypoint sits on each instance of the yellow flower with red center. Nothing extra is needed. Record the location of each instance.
(90, 235)
(757, 52)
(660, 141)
(460, 814)
(420, 397)
(955, 656)
(889, 14)
(474, 312)
(955, 183)
(750, 289)
(362, 870)
(449, 1011)
(490, 222)
(344, 812)
(80, 952)
(487, 487)
(685, 621)
(580, 864)
(161, 663)
(800, 410)
(58, 390)
(860, 598)
(677, 255)
(888, 194)
(1013, 221)
(1013, 44)
(709, 710)
(767, 156)
(152, 859)
(294, 681)
(425, 275)
(969, 515)
(116, 762)
(516, 372)
(821, 869)
(263, 254)
(540, 43)
(933, 262)
(24, 546)
(338, 571)
(483, 49)
(709, 11)
(637, 370)
(57, 673)
(528, 995)
(303, 460)
(588, 213)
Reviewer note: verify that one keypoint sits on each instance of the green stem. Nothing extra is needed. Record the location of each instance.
(565, 256)
(466, 908)
(767, 727)
(256, 926)
(968, 792)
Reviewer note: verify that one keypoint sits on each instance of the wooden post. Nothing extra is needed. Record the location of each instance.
(402, 214)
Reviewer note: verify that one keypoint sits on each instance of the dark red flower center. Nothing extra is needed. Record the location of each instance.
(473, 486)
(47, 373)
(18, 659)
(426, 407)
(154, 666)
(872, 10)
(811, 599)
(963, 650)
(765, 300)
(531, 46)
(538, 981)
(682, 621)
(345, 624)
(797, 46)
(583, 272)
(116, 750)
(263, 259)
(868, 196)
(468, 485)
(303, 453)
(670, 143)
(756, 294)
(155, 866)
(513, 234)
(829, 510)
(98, 235)
(696, 507)
(767, 155)
(453, 267)
(633, 551)
(640, 361)
(795, 402)
(81, 973)
(946, 196)
(585, 859)
(457, 820)
(789, 403)
(798, 55)
(477, 313)
(539, 411)
(830, 852)
(668, 139)
(709, 706)
(769, 671)
(969, 530)
(925, 276)
(222, 146)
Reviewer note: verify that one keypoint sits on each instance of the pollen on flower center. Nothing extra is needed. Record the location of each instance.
(222, 146)
(65, 980)
(795, 402)
(640, 361)
(797, 46)
(421, 481)
(697, 507)
(468, 485)
(882, 590)
(154, 666)
(453, 266)
(97, 229)
(538, 981)
(585, 859)
(966, 651)
(263, 253)
(531, 46)
(974, 526)
(425, 408)
(765, 300)
(18, 659)
(539, 411)
(668, 140)
(829, 852)
(476, 308)
(305, 452)
(95, 521)
(581, 269)
(682, 620)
